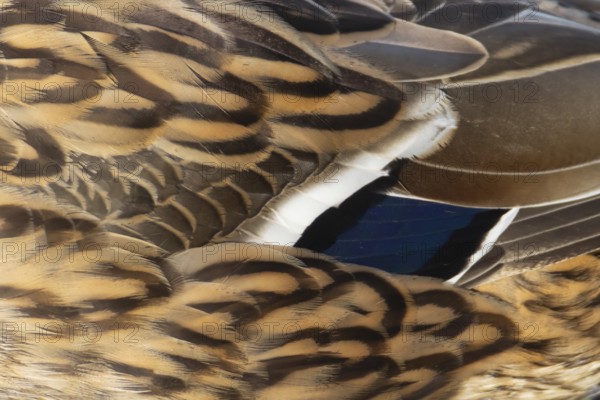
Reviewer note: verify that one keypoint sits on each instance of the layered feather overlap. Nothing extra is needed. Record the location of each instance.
(152, 154)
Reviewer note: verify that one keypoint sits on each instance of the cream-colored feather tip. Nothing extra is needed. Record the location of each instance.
(159, 161)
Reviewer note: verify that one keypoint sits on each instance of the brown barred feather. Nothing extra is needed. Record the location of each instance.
(141, 143)
(176, 124)
(240, 320)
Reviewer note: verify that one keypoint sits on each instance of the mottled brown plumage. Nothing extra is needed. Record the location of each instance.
(145, 147)
(286, 322)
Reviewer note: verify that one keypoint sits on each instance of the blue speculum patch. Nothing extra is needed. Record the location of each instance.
(400, 235)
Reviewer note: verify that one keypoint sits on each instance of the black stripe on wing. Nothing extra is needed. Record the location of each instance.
(540, 236)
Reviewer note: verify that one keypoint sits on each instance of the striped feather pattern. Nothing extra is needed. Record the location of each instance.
(508, 149)
(537, 237)
(246, 321)
(141, 143)
(175, 124)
